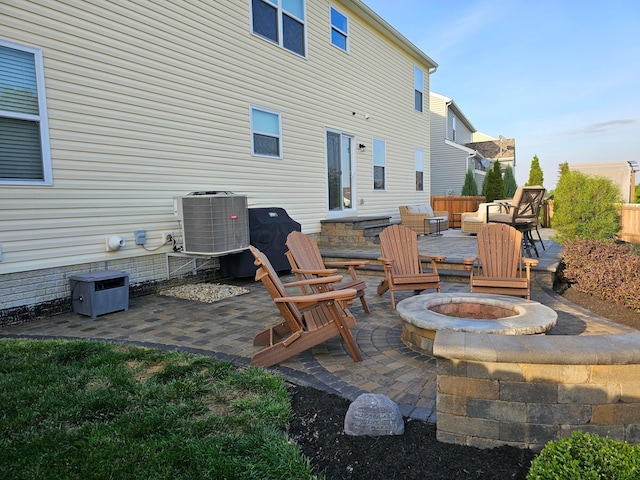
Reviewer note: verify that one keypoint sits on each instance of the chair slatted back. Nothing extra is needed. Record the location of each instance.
(269, 278)
(499, 251)
(305, 251)
(400, 244)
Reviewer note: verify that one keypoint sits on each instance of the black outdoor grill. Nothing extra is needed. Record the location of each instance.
(268, 230)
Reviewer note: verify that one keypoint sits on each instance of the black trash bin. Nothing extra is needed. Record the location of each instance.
(268, 230)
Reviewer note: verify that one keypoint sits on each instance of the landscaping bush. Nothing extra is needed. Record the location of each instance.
(494, 189)
(606, 269)
(470, 187)
(509, 180)
(584, 457)
(585, 207)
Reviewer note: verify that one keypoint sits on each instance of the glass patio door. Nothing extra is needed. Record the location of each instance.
(340, 184)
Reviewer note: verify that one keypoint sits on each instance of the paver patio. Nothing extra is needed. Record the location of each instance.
(225, 329)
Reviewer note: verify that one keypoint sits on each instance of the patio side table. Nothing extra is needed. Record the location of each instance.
(438, 221)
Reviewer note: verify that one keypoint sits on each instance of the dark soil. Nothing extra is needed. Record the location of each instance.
(318, 427)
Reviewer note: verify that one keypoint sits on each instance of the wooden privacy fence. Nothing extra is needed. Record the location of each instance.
(455, 205)
(630, 222)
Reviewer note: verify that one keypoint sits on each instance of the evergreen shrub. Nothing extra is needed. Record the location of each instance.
(585, 207)
(584, 456)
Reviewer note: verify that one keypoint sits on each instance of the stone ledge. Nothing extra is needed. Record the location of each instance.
(541, 388)
(618, 349)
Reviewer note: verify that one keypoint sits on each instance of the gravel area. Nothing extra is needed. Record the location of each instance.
(204, 292)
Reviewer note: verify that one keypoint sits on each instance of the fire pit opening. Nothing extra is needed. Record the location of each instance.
(473, 310)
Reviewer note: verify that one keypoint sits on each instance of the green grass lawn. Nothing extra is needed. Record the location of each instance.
(89, 410)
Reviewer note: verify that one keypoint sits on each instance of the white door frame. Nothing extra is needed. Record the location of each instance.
(347, 180)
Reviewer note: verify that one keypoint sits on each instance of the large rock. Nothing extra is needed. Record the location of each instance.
(373, 415)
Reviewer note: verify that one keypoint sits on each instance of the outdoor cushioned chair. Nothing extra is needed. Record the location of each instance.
(499, 265)
(413, 217)
(473, 222)
(308, 320)
(306, 262)
(403, 263)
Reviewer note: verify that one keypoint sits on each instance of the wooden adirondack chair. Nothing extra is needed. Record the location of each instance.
(403, 263)
(306, 262)
(499, 265)
(308, 320)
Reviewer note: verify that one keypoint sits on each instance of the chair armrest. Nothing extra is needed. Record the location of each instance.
(530, 262)
(337, 295)
(469, 263)
(386, 261)
(321, 272)
(433, 258)
(314, 281)
(349, 263)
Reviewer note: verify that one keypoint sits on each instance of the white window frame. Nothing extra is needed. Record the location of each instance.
(42, 118)
(335, 28)
(379, 159)
(418, 88)
(281, 12)
(254, 131)
(419, 161)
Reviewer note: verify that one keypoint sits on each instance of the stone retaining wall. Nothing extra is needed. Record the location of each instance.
(527, 390)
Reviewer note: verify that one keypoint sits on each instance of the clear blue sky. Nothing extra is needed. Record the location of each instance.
(562, 77)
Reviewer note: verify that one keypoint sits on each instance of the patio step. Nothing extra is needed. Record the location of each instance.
(353, 231)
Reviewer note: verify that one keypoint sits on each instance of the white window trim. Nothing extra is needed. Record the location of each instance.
(281, 12)
(421, 90)
(419, 151)
(373, 165)
(332, 27)
(42, 117)
(280, 140)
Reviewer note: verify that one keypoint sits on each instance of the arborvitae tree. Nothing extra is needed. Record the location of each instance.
(510, 184)
(636, 198)
(495, 185)
(470, 187)
(564, 168)
(485, 181)
(536, 176)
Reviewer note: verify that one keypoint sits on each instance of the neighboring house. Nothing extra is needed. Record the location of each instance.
(492, 149)
(456, 147)
(109, 110)
(622, 174)
(450, 158)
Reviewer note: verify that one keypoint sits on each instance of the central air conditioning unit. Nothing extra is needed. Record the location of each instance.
(213, 223)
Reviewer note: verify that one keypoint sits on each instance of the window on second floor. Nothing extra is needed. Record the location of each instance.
(453, 128)
(379, 164)
(282, 22)
(24, 136)
(339, 29)
(419, 156)
(266, 133)
(418, 85)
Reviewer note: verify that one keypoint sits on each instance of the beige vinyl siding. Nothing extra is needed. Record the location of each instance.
(148, 101)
